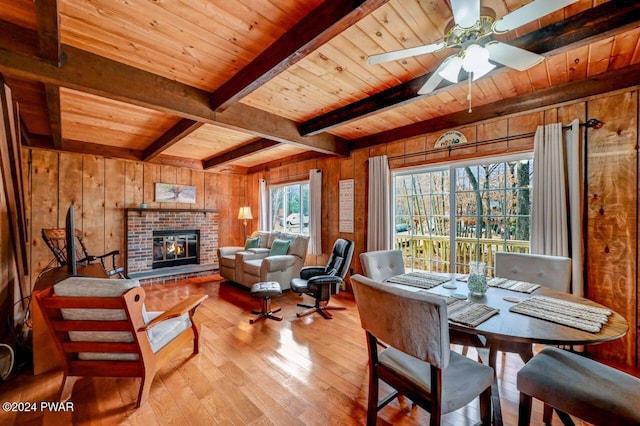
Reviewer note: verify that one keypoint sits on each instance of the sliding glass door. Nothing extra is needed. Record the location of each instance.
(448, 216)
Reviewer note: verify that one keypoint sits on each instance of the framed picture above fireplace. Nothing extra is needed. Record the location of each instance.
(174, 193)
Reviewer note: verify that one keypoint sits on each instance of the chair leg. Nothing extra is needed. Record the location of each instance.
(66, 388)
(266, 311)
(524, 410)
(372, 407)
(145, 388)
(485, 406)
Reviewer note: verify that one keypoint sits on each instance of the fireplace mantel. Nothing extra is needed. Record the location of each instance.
(141, 210)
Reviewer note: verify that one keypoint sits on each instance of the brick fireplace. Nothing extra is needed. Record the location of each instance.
(170, 225)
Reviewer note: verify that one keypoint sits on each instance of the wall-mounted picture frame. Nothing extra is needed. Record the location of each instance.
(174, 193)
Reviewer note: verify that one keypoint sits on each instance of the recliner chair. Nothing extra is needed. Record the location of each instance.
(317, 280)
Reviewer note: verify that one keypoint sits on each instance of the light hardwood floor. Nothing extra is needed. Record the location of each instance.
(299, 371)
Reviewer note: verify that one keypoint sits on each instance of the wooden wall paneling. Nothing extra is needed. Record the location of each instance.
(360, 175)
(197, 180)
(168, 174)
(183, 177)
(151, 176)
(415, 146)
(330, 208)
(69, 187)
(378, 150)
(551, 116)
(612, 216)
(114, 204)
(521, 124)
(44, 206)
(395, 152)
(93, 199)
(493, 130)
(134, 184)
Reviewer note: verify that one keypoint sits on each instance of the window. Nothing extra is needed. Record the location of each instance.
(446, 217)
(289, 211)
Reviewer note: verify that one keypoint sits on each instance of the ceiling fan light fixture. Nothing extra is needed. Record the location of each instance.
(476, 60)
(452, 69)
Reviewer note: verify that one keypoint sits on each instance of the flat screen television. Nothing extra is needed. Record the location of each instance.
(70, 231)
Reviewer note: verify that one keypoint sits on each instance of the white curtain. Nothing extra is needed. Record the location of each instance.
(556, 227)
(315, 211)
(264, 206)
(380, 221)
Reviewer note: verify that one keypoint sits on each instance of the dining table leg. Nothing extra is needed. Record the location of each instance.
(495, 391)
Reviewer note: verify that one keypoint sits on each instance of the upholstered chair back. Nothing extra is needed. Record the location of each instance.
(383, 264)
(340, 258)
(549, 271)
(412, 322)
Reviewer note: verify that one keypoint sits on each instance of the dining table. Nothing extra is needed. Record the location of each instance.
(511, 331)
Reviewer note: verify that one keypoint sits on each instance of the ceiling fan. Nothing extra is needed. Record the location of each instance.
(470, 32)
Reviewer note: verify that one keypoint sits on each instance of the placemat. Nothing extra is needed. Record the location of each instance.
(571, 314)
(419, 279)
(468, 313)
(513, 285)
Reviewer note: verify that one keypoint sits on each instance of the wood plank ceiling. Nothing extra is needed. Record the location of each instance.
(234, 86)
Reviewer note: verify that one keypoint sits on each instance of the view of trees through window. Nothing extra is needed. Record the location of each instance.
(447, 217)
(289, 210)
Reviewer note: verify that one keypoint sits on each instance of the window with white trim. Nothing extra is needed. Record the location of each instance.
(289, 207)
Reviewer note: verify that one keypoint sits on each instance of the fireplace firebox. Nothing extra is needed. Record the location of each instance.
(175, 247)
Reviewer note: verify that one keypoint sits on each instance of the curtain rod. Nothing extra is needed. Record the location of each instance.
(590, 123)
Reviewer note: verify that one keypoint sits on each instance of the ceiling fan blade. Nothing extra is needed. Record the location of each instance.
(465, 12)
(405, 53)
(435, 78)
(529, 12)
(512, 56)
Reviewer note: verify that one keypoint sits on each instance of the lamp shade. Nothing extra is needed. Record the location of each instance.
(245, 213)
(476, 60)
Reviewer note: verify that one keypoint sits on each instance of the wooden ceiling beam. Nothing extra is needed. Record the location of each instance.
(104, 77)
(326, 21)
(180, 130)
(266, 125)
(52, 94)
(602, 21)
(48, 21)
(239, 152)
(304, 156)
(570, 91)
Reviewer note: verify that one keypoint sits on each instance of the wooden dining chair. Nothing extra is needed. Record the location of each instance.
(415, 358)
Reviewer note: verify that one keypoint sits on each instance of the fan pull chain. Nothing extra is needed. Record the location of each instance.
(469, 94)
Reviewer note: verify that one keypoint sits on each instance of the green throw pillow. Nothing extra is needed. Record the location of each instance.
(252, 242)
(279, 247)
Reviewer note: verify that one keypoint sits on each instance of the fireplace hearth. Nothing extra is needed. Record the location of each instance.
(175, 247)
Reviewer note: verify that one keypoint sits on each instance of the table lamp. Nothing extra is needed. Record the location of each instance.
(245, 214)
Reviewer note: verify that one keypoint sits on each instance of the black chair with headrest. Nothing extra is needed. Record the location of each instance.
(317, 281)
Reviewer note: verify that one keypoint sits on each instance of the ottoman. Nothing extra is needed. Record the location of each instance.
(266, 290)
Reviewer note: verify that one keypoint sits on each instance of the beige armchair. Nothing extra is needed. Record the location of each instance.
(249, 266)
